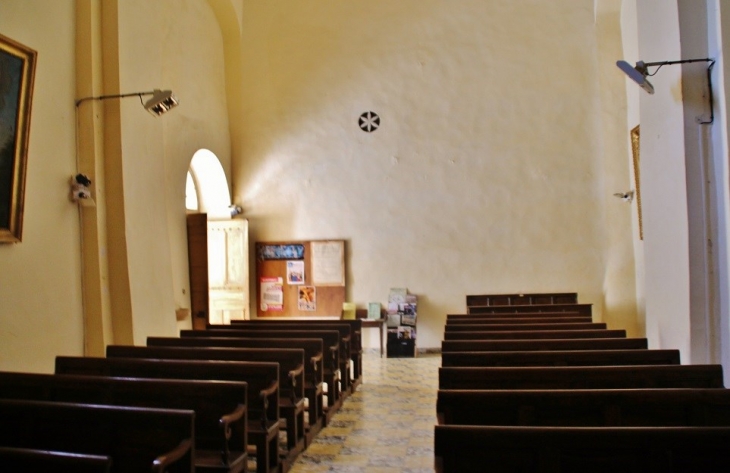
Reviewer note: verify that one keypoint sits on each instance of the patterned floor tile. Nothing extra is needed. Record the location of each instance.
(386, 426)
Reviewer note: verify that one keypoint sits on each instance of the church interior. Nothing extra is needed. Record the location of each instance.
(455, 148)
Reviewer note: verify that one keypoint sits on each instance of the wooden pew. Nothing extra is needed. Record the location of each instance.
(589, 408)
(29, 460)
(291, 377)
(263, 390)
(343, 328)
(502, 320)
(522, 299)
(520, 315)
(313, 373)
(220, 408)
(534, 334)
(330, 340)
(561, 358)
(582, 377)
(583, 309)
(476, 449)
(544, 345)
(137, 439)
(476, 327)
(356, 349)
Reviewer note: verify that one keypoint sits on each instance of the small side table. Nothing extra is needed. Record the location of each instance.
(379, 323)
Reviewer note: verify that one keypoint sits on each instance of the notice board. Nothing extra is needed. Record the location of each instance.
(300, 278)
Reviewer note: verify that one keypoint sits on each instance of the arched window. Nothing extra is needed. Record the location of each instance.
(206, 189)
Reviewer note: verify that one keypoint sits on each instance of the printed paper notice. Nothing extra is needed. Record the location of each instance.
(307, 298)
(294, 272)
(272, 294)
(328, 263)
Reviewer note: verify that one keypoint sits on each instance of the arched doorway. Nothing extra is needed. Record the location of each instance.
(217, 245)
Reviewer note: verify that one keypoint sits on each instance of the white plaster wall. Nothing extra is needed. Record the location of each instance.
(40, 291)
(664, 196)
(720, 31)
(483, 176)
(184, 55)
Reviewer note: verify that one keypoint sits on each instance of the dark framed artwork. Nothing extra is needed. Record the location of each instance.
(637, 175)
(17, 74)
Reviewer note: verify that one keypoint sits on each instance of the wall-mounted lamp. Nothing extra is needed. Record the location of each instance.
(640, 72)
(627, 196)
(161, 102)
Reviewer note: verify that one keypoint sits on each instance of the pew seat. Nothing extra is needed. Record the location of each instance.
(476, 449)
(31, 460)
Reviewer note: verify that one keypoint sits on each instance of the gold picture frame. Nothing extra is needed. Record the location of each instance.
(17, 76)
(637, 175)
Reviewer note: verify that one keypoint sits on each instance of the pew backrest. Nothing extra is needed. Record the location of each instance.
(467, 449)
(589, 407)
(220, 407)
(545, 345)
(313, 348)
(541, 298)
(500, 319)
(137, 439)
(486, 334)
(262, 377)
(582, 377)
(476, 327)
(290, 360)
(561, 358)
(584, 309)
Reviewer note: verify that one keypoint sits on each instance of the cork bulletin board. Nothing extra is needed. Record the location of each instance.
(300, 278)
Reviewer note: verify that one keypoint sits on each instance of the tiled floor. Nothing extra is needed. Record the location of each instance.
(386, 426)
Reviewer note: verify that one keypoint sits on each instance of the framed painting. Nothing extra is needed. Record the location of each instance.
(637, 175)
(17, 74)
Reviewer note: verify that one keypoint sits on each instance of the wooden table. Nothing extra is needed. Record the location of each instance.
(379, 323)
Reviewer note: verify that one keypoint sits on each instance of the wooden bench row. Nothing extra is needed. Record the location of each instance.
(276, 375)
(530, 394)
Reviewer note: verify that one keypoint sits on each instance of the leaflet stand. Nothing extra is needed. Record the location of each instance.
(401, 322)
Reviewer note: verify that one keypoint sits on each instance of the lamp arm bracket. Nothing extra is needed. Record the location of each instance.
(709, 80)
(115, 96)
(683, 61)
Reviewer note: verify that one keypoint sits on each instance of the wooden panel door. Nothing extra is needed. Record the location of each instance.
(228, 270)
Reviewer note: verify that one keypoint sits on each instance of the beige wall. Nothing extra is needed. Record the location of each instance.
(40, 279)
(491, 170)
(185, 55)
(488, 173)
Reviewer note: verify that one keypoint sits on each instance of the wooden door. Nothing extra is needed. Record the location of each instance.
(228, 270)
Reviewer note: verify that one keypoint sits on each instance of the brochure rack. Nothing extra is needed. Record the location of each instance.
(401, 321)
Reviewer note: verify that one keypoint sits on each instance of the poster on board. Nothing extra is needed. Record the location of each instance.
(307, 298)
(328, 268)
(272, 294)
(295, 272)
